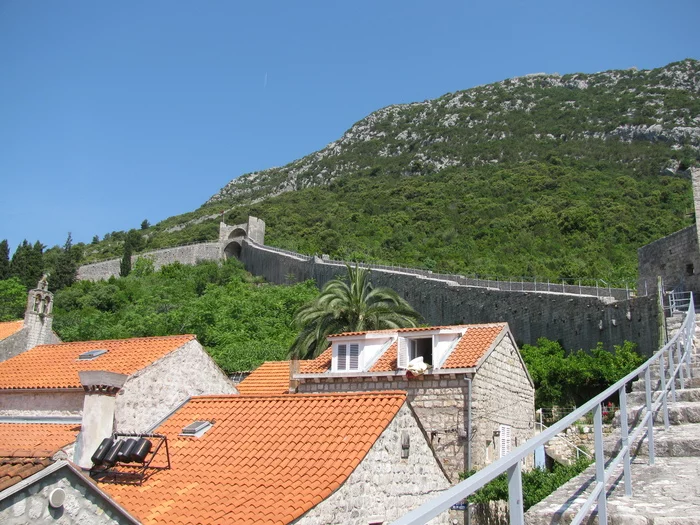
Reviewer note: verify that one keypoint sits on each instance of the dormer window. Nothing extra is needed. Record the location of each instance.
(421, 348)
(348, 357)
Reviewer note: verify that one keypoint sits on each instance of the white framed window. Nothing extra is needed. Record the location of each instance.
(348, 357)
(411, 348)
(504, 440)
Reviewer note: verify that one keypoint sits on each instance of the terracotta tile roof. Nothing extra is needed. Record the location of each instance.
(321, 364)
(57, 366)
(466, 354)
(10, 327)
(473, 345)
(266, 460)
(14, 470)
(387, 361)
(35, 439)
(270, 378)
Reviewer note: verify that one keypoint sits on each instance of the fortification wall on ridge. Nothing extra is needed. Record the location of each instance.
(190, 254)
(576, 321)
(675, 258)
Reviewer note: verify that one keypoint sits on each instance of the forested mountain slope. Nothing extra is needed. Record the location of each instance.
(543, 175)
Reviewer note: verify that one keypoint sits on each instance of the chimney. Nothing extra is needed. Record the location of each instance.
(38, 318)
(98, 412)
(293, 370)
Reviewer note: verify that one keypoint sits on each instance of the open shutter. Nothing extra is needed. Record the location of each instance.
(342, 352)
(402, 358)
(354, 363)
(505, 440)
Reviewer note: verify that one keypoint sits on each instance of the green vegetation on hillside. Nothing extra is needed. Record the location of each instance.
(240, 320)
(550, 220)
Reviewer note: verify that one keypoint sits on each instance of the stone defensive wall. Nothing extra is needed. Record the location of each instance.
(576, 321)
(189, 254)
(675, 258)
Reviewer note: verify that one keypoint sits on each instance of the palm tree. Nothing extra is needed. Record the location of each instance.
(351, 304)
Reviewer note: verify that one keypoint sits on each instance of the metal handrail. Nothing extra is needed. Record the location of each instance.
(512, 463)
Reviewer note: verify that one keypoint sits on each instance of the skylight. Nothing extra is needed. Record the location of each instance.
(196, 429)
(92, 354)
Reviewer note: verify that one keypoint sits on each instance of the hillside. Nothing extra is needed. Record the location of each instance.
(546, 175)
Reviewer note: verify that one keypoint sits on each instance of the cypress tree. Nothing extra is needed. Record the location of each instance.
(125, 266)
(66, 266)
(4, 260)
(27, 263)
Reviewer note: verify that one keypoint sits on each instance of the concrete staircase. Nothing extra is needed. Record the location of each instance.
(666, 493)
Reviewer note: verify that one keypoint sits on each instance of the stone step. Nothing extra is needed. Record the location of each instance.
(667, 493)
(637, 398)
(677, 441)
(678, 414)
(638, 386)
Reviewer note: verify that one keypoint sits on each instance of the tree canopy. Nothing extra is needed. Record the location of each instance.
(349, 304)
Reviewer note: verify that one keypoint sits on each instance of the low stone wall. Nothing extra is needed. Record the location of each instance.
(207, 251)
(575, 321)
(675, 258)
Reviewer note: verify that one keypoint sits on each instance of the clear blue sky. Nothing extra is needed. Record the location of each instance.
(115, 112)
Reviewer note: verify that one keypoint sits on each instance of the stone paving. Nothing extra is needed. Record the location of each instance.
(665, 493)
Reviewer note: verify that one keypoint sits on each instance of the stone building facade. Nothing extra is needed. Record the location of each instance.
(84, 503)
(493, 388)
(163, 372)
(36, 329)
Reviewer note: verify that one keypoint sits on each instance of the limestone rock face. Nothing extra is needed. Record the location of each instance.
(653, 106)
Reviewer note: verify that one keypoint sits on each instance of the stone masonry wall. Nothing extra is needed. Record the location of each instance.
(152, 393)
(502, 394)
(81, 507)
(575, 321)
(42, 403)
(384, 487)
(206, 251)
(675, 258)
(13, 345)
(438, 401)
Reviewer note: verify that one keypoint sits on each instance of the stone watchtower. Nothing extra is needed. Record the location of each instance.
(38, 318)
(231, 237)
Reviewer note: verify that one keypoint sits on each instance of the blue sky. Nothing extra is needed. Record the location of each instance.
(115, 112)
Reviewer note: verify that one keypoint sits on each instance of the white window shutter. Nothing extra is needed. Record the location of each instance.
(354, 362)
(342, 352)
(505, 440)
(402, 358)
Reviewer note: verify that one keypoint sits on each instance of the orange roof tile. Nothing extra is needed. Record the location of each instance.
(387, 361)
(35, 439)
(57, 366)
(321, 364)
(270, 378)
(266, 459)
(10, 327)
(13, 470)
(473, 345)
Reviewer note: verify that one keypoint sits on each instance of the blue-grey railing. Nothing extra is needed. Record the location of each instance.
(674, 361)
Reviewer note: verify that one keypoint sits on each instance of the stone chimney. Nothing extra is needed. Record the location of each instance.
(101, 389)
(38, 318)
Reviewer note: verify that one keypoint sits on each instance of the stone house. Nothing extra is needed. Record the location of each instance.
(44, 384)
(462, 381)
(351, 458)
(35, 329)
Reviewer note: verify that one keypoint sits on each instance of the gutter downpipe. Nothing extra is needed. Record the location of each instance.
(469, 439)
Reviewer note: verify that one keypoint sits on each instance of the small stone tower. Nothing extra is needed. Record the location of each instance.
(38, 318)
